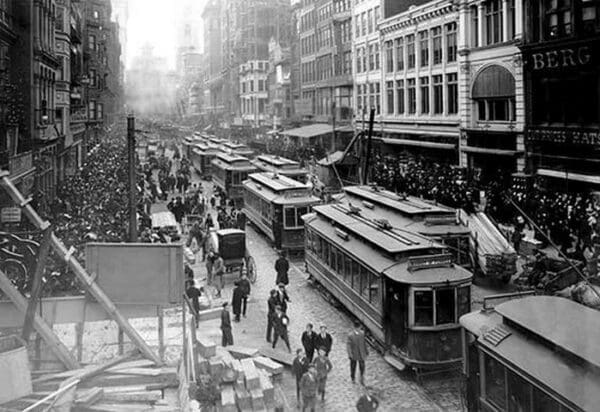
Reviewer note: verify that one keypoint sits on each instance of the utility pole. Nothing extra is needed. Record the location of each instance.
(333, 122)
(133, 237)
(367, 160)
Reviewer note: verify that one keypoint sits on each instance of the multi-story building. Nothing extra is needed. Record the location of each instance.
(560, 49)
(213, 68)
(254, 91)
(279, 85)
(77, 105)
(491, 87)
(419, 92)
(16, 85)
(325, 36)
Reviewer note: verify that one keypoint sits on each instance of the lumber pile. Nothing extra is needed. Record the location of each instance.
(245, 379)
(494, 254)
(121, 384)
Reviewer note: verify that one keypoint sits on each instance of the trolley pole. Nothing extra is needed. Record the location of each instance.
(133, 237)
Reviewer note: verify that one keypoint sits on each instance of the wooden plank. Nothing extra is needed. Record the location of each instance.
(120, 341)
(37, 286)
(89, 397)
(209, 314)
(161, 333)
(242, 352)
(79, 329)
(140, 396)
(45, 331)
(268, 365)
(140, 363)
(281, 357)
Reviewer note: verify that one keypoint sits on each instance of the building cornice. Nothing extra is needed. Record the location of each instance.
(414, 17)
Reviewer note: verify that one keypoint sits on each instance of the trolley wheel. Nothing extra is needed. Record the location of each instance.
(251, 269)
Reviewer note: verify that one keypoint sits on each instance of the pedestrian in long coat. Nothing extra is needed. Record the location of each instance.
(308, 341)
(299, 368)
(236, 300)
(271, 304)
(283, 297)
(357, 351)
(324, 340)
(282, 266)
(245, 287)
(308, 387)
(323, 366)
(227, 338)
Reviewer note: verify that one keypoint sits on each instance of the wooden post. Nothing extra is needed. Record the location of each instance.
(43, 329)
(121, 340)
(161, 333)
(133, 237)
(36, 287)
(79, 328)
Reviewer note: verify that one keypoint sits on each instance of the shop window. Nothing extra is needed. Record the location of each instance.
(399, 54)
(400, 96)
(436, 34)
(412, 96)
(410, 51)
(423, 307)
(424, 48)
(519, 393)
(495, 110)
(495, 384)
(444, 306)
(438, 94)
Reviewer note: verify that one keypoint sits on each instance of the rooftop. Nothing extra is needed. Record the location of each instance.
(277, 183)
(277, 161)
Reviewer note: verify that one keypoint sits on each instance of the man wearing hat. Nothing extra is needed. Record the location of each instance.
(227, 335)
(282, 297)
(236, 300)
(280, 324)
(282, 266)
(308, 387)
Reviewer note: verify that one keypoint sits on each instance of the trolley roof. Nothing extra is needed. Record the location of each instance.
(423, 268)
(436, 225)
(540, 336)
(282, 165)
(229, 161)
(280, 190)
(365, 226)
(407, 205)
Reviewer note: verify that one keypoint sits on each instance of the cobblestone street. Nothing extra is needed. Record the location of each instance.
(398, 391)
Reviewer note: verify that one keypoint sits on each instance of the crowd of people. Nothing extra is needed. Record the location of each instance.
(300, 153)
(569, 219)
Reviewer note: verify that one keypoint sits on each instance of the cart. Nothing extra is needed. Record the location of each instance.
(230, 244)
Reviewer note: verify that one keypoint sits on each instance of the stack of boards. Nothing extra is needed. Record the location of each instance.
(495, 255)
(132, 385)
(246, 379)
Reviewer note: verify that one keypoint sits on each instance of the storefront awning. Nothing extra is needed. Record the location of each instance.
(485, 150)
(559, 174)
(493, 82)
(312, 130)
(419, 143)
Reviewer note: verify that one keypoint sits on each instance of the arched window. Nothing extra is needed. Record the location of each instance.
(494, 94)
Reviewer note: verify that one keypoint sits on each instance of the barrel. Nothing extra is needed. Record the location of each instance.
(15, 379)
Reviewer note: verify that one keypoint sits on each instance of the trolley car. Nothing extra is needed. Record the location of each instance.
(535, 353)
(230, 244)
(228, 173)
(427, 218)
(402, 286)
(237, 149)
(275, 204)
(281, 166)
(202, 156)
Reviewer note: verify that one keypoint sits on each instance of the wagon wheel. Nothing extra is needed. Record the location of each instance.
(251, 269)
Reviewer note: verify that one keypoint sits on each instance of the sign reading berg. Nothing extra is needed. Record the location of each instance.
(567, 57)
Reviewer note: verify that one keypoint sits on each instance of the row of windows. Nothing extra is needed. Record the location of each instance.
(95, 110)
(402, 95)
(489, 17)
(400, 53)
(366, 22)
(507, 391)
(364, 282)
(553, 19)
(258, 205)
(249, 106)
(367, 58)
(340, 6)
(248, 86)
(344, 31)
(368, 96)
(324, 37)
(441, 306)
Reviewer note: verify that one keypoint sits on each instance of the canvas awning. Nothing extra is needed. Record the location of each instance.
(312, 130)
(419, 143)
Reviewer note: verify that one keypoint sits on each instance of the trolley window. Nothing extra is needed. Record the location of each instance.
(445, 306)
(495, 383)
(423, 308)
(374, 287)
(463, 300)
(293, 217)
(519, 393)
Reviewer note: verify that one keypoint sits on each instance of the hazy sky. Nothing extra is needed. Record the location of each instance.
(152, 21)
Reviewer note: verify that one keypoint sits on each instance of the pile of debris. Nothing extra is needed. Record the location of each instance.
(125, 383)
(246, 381)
